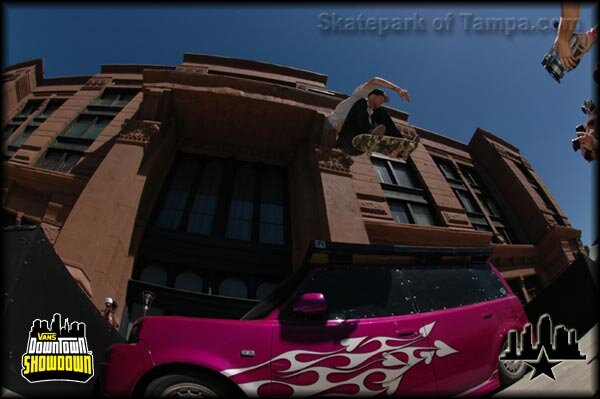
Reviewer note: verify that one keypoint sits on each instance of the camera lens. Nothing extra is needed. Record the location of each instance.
(576, 144)
(580, 128)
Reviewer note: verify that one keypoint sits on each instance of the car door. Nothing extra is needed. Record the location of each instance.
(463, 327)
(367, 343)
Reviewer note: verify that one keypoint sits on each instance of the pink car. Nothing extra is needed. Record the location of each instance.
(355, 320)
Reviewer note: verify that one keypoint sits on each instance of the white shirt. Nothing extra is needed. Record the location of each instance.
(337, 117)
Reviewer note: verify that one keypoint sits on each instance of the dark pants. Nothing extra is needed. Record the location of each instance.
(357, 122)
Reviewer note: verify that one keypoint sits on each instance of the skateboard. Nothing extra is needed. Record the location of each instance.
(385, 144)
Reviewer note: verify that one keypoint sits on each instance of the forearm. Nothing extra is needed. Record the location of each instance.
(569, 16)
(377, 81)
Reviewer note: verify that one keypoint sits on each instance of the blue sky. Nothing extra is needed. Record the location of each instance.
(459, 79)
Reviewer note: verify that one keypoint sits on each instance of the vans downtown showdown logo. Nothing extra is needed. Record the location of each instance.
(58, 352)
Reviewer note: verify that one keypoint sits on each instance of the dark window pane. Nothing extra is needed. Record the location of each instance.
(96, 128)
(368, 292)
(177, 194)
(398, 212)
(421, 215)
(52, 106)
(154, 274)
(189, 281)
(8, 130)
(79, 126)
(382, 171)
(205, 202)
(482, 227)
(239, 224)
(271, 208)
(233, 287)
(467, 201)
(60, 161)
(69, 162)
(23, 136)
(30, 107)
(403, 175)
(443, 287)
(448, 170)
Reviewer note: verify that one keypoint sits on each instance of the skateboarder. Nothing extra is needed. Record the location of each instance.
(362, 112)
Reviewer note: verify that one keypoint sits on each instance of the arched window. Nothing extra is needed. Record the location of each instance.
(233, 287)
(264, 289)
(189, 281)
(154, 274)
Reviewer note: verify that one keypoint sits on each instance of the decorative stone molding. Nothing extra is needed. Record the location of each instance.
(456, 218)
(192, 69)
(96, 83)
(376, 208)
(140, 132)
(333, 161)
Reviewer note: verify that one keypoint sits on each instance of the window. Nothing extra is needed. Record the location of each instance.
(154, 274)
(115, 97)
(52, 106)
(205, 202)
(13, 147)
(239, 224)
(264, 289)
(504, 233)
(405, 196)
(539, 191)
(59, 160)
(87, 126)
(189, 281)
(30, 108)
(225, 198)
(272, 208)
(233, 287)
(449, 286)
(177, 194)
(469, 203)
(368, 292)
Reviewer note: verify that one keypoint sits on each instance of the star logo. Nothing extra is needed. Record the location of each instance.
(542, 366)
(553, 346)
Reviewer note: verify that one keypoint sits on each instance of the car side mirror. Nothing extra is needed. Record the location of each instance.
(310, 304)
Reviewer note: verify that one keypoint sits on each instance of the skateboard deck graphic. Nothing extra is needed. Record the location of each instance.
(385, 144)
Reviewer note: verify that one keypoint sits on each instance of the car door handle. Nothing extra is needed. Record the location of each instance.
(406, 333)
(488, 316)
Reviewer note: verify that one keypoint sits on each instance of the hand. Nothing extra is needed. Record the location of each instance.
(565, 54)
(403, 94)
(585, 42)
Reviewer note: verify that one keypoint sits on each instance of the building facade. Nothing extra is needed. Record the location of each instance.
(204, 183)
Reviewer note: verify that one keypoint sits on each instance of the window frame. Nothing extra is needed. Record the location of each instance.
(225, 193)
(403, 195)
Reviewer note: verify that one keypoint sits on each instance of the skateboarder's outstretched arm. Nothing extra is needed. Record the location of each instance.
(377, 81)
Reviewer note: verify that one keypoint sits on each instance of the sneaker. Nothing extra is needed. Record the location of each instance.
(378, 130)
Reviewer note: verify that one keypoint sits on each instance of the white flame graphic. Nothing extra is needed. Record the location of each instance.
(394, 368)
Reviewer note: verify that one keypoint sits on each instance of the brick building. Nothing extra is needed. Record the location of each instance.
(204, 182)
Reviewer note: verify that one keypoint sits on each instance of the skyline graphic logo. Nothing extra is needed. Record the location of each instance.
(57, 352)
(552, 346)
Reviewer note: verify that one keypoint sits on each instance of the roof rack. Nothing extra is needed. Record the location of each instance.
(347, 253)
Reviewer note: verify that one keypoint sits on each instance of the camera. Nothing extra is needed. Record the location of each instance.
(551, 61)
(589, 109)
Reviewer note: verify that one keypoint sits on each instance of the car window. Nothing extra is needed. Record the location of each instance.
(443, 287)
(489, 282)
(359, 292)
